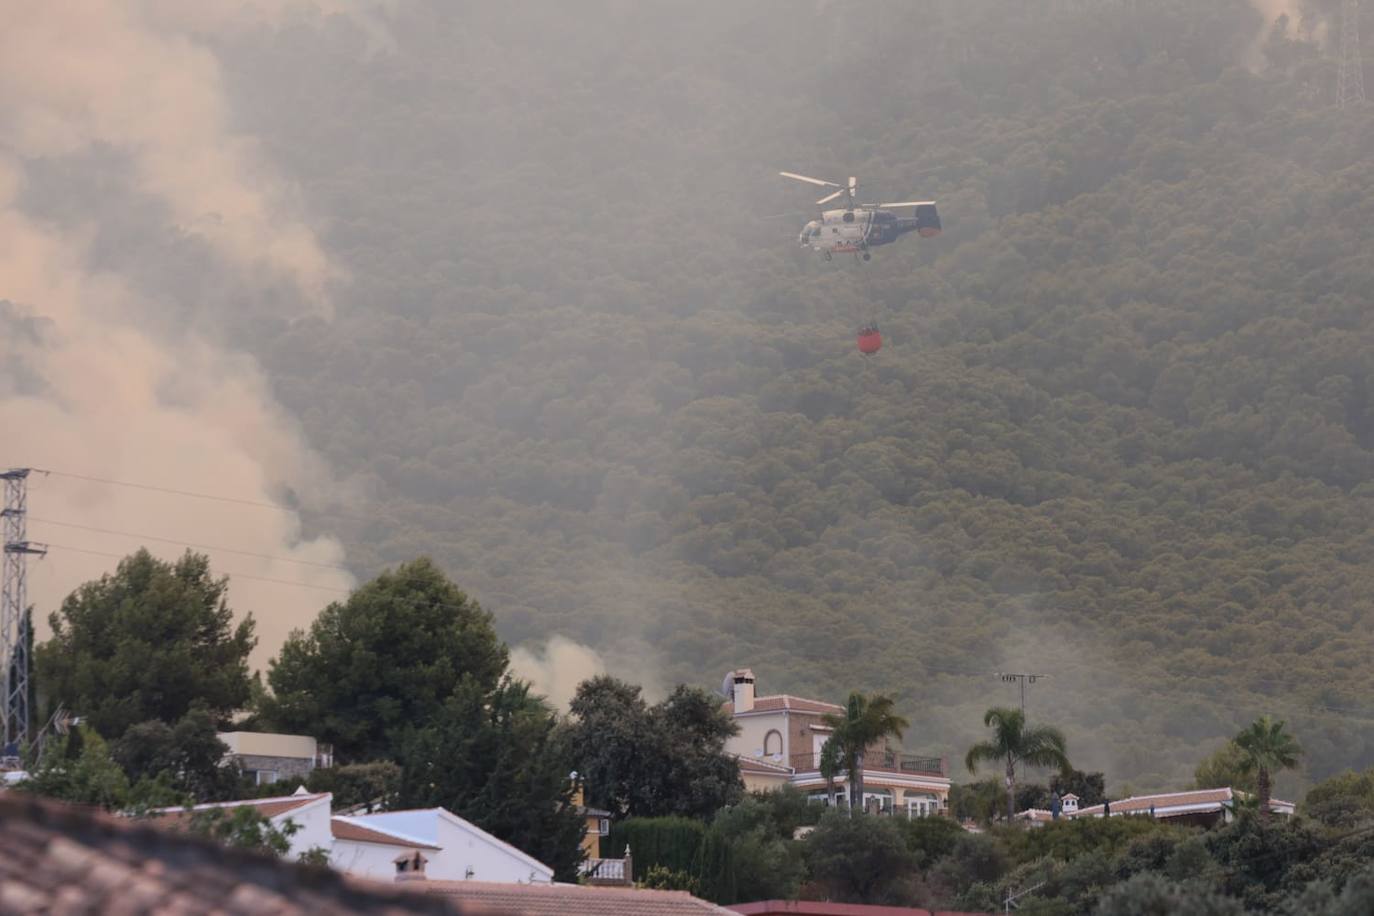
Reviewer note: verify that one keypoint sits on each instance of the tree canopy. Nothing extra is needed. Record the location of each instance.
(1265, 748)
(383, 661)
(149, 641)
(495, 758)
(652, 761)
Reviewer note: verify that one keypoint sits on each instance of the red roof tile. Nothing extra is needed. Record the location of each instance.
(788, 702)
(763, 767)
(570, 899)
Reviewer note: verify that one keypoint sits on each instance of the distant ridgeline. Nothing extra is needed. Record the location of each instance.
(1121, 431)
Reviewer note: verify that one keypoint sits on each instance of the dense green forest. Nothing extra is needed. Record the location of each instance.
(1122, 431)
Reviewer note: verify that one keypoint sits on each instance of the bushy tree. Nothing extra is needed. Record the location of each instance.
(147, 642)
(244, 827)
(1152, 895)
(384, 661)
(1342, 801)
(1091, 788)
(188, 755)
(1225, 767)
(77, 767)
(930, 838)
(375, 785)
(497, 759)
(860, 859)
(767, 861)
(643, 761)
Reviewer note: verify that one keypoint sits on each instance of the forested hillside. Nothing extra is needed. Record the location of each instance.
(1122, 431)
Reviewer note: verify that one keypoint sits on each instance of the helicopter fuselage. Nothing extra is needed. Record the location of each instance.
(856, 231)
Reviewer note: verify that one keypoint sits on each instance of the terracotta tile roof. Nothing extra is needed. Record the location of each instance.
(344, 829)
(1166, 800)
(763, 767)
(1036, 815)
(1162, 803)
(57, 858)
(788, 702)
(571, 899)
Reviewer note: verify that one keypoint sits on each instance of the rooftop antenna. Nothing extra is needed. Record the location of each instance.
(14, 631)
(1351, 85)
(1024, 678)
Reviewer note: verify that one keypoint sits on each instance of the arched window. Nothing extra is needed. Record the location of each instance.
(772, 743)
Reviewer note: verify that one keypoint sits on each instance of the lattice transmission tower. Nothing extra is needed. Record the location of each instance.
(1351, 88)
(14, 636)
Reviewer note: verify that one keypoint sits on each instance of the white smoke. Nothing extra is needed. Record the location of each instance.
(1299, 26)
(86, 385)
(555, 669)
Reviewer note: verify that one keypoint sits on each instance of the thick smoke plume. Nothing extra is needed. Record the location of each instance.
(90, 381)
(555, 669)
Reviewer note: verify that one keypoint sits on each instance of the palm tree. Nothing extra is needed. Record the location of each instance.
(1266, 746)
(866, 721)
(830, 764)
(1013, 743)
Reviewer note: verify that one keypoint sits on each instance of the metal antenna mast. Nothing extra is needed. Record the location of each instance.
(1351, 89)
(1008, 678)
(14, 637)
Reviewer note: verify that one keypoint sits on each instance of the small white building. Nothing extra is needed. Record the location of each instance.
(383, 845)
(266, 757)
(310, 813)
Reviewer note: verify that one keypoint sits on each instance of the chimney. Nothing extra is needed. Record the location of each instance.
(411, 867)
(744, 690)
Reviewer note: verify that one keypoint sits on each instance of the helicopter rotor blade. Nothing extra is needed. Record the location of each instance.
(809, 180)
(829, 197)
(910, 203)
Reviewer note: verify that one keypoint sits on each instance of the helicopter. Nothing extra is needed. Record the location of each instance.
(859, 227)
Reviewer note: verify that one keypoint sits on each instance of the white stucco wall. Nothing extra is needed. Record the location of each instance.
(378, 861)
(313, 820)
(753, 729)
(465, 851)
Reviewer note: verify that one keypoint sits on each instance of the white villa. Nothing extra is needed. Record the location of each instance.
(780, 740)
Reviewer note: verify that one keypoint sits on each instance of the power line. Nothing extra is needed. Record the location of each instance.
(153, 537)
(232, 575)
(157, 489)
(412, 602)
(212, 497)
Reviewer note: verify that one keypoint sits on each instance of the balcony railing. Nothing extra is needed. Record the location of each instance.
(881, 762)
(608, 871)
